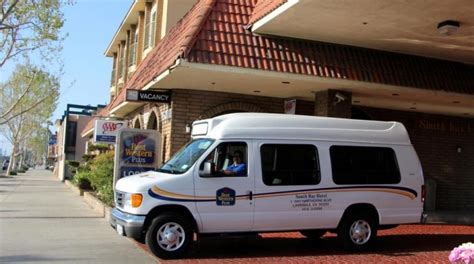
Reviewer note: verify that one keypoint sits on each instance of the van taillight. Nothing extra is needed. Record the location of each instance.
(423, 193)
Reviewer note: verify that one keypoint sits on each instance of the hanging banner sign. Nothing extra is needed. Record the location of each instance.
(105, 131)
(136, 151)
(148, 96)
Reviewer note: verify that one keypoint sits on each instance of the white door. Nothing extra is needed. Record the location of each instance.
(225, 200)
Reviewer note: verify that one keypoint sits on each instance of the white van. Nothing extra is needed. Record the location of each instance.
(300, 173)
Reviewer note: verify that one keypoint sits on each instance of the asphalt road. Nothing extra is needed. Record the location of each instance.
(42, 221)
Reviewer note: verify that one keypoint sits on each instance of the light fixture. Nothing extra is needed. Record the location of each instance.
(285, 82)
(188, 128)
(448, 27)
(257, 91)
(458, 149)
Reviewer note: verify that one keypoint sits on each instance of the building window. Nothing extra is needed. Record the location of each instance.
(112, 81)
(290, 164)
(132, 60)
(150, 28)
(121, 63)
(364, 165)
(71, 130)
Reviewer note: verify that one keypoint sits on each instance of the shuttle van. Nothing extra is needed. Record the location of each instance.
(300, 173)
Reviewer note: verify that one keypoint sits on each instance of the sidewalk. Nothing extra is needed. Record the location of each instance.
(42, 221)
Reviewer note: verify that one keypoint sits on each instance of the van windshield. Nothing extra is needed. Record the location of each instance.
(185, 158)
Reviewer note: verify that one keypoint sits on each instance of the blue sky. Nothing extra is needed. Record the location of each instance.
(91, 25)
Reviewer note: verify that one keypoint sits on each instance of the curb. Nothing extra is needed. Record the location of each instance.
(74, 188)
(93, 202)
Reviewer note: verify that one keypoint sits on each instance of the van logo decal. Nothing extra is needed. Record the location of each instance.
(225, 197)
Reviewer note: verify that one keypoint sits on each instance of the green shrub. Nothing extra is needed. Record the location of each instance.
(20, 171)
(87, 157)
(25, 168)
(13, 173)
(101, 176)
(102, 148)
(81, 180)
(73, 163)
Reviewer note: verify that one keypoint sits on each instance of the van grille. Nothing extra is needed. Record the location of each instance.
(119, 199)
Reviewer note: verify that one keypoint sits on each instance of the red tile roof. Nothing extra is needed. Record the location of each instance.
(263, 8)
(213, 32)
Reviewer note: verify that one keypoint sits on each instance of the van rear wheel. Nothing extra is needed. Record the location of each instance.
(170, 236)
(313, 234)
(357, 232)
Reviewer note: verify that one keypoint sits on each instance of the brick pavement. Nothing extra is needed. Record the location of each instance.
(404, 244)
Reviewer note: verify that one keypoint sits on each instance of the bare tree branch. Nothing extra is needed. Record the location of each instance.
(31, 107)
(28, 88)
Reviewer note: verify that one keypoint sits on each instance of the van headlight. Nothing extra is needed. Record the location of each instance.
(133, 199)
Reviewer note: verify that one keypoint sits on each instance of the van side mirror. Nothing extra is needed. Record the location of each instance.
(209, 170)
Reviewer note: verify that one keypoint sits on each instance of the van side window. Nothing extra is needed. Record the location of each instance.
(290, 164)
(230, 159)
(364, 165)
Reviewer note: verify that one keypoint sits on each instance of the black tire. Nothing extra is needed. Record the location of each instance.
(357, 232)
(313, 234)
(180, 236)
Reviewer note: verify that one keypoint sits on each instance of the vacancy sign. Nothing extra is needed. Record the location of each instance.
(106, 131)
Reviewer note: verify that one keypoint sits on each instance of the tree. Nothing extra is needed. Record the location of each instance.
(29, 29)
(28, 26)
(42, 92)
(37, 143)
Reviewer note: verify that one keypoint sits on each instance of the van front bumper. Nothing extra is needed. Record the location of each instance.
(131, 225)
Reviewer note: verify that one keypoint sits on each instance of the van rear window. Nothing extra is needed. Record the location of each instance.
(364, 165)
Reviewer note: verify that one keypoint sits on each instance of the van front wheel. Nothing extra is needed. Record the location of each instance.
(357, 232)
(169, 236)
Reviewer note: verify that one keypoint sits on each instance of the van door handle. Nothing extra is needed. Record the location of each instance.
(250, 193)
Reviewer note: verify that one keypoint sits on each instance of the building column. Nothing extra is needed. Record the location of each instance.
(333, 103)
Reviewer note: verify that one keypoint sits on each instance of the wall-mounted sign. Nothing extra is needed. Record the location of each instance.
(290, 107)
(446, 126)
(105, 131)
(148, 96)
(136, 151)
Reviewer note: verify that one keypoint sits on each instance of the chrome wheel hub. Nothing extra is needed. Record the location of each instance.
(360, 232)
(170, 236)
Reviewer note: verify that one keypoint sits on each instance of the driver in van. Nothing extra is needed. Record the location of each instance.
(238, 168)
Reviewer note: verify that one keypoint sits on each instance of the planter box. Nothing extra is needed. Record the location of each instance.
(97, 205)
(94, 203)
(74, 188)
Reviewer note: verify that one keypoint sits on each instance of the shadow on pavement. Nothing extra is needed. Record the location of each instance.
(390, 245)
(33, 258)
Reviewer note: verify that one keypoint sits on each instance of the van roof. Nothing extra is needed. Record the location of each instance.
(300, 127)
